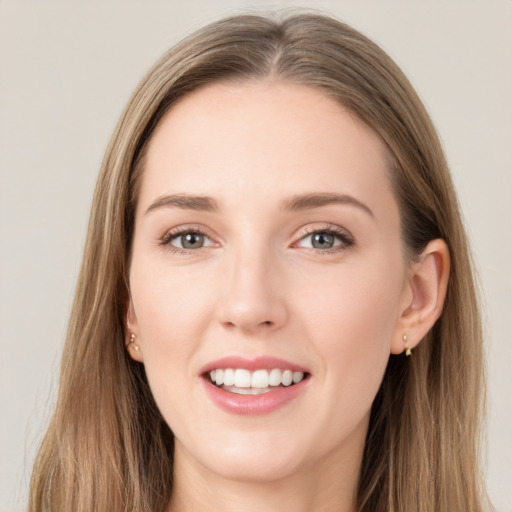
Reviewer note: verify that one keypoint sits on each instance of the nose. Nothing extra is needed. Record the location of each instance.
(253, 299)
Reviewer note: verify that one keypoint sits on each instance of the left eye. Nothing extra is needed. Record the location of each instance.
(190, 240)
(322, 240)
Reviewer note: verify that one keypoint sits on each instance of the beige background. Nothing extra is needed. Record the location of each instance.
(66, 70)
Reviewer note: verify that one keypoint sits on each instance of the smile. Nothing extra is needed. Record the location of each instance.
(254, 386)
(246, 382)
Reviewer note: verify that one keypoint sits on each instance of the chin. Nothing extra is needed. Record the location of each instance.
(249, 457)
(256, 468)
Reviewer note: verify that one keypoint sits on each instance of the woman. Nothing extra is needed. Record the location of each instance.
(276, 304)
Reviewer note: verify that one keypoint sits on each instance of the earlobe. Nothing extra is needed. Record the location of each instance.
(133, 347)
(427, 285)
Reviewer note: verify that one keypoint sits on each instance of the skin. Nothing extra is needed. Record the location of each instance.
(258, 287)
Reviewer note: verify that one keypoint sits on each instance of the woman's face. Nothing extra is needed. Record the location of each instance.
(267, 243)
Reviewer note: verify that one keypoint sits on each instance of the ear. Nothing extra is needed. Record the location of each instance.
(423, 297)
(132, 343)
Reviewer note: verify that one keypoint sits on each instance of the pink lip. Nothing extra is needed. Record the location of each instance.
(258, 363)
(252, 404)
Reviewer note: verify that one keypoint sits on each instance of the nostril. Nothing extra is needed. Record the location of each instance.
(266, 324)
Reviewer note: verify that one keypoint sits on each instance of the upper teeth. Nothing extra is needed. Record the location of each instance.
(242, 378)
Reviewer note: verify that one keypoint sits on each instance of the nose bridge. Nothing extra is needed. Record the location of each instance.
(253, 298)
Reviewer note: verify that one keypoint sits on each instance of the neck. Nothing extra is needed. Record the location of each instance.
(328, 485)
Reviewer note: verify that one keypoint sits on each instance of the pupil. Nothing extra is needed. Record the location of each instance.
(192, 241)
(323, 241)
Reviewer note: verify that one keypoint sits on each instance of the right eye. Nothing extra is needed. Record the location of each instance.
(186, 240)
(190, 240)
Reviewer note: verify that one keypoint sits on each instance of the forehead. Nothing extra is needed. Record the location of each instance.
(263, 138)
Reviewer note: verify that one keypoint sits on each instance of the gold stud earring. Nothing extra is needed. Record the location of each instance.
(132, 342)
(408, 350)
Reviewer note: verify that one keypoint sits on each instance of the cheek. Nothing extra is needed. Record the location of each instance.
(171, 313)
(349, 328)
(351, 324)
(171, 307)
(356, 304)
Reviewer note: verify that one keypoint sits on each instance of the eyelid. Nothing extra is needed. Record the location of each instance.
(347, 239)
(175, 232)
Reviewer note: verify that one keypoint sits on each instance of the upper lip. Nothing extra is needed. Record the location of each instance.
(257, 363)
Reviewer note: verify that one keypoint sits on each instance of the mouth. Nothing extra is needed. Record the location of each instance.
(254, 386)
(246, 382)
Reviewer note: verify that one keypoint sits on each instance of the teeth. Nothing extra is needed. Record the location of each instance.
(229, 377)
(242, 378)
(244, 381)
(274, 378)
(297, 377)
(287, 377)
(246, 391)
(259, 379)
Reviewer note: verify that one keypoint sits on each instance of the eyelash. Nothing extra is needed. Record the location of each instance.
(346, 239)
(176, 233)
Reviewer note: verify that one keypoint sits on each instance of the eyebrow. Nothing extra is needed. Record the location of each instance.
(185, 202)
(319, 199)
(296, 203)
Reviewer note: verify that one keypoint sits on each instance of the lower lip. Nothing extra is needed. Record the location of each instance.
(253, 404)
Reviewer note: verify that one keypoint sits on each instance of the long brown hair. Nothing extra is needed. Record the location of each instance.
(108, 448)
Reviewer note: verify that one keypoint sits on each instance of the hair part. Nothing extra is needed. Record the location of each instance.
(108, 447)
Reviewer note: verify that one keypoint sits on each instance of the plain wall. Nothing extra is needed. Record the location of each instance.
(66, 71)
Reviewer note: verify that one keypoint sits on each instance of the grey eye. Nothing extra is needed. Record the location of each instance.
(322, 240)
(189, 241)
(325, 240)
